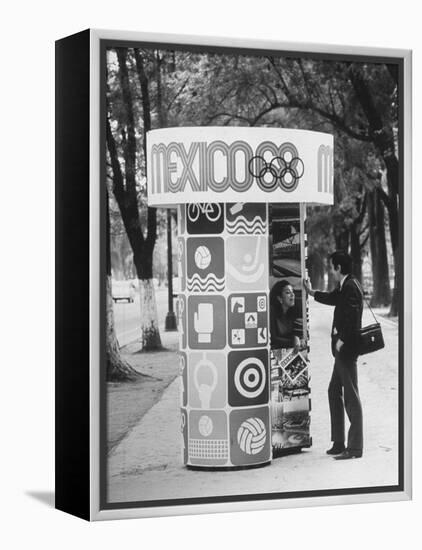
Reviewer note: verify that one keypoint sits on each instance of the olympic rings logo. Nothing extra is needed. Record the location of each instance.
(284, 170)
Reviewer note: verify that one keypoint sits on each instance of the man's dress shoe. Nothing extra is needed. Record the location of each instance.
(336, 449)
(349, 453)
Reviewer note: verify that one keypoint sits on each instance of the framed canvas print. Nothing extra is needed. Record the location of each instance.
(233, 274)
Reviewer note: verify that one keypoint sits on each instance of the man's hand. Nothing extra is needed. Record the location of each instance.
(339, 344)
(307, 287)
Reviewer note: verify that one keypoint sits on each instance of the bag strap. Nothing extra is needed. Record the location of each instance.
(357, 283)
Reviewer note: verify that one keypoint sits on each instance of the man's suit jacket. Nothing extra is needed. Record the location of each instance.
(347, 321)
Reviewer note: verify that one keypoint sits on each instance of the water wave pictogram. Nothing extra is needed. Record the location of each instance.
(243, 225)
(210, 283)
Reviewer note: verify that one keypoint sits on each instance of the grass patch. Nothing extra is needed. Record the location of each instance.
(127, 402)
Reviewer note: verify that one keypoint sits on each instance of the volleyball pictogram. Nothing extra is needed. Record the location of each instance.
(205, 426)
(251, 436)
(202, 257)
(205, 264)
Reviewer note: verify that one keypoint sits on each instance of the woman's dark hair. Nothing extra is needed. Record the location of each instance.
(276, 311)
(342, 259)
(276, 291)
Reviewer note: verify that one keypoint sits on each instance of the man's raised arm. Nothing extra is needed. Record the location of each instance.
(327, 298)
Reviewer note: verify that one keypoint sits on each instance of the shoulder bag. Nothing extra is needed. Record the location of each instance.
(370, 337)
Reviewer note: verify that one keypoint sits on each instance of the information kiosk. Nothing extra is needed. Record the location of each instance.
(244, 353)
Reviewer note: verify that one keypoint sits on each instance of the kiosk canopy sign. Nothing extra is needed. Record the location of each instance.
(199, 164)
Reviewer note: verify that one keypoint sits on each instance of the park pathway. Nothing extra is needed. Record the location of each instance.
(147, 464)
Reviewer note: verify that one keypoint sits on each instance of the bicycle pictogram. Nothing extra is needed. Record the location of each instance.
(211, 210)
(284, 170)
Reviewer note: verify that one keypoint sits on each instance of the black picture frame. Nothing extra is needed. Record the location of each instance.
(80, 276)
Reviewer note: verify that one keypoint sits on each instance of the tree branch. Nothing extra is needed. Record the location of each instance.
(118, 181)
(129, 149)
(146, 111)
(384, 197)
(180, 90)
(365, 240)
(361, 214)
(264, 93)
(146, 104)
(230, 115)
(305, 79)
(286, 90)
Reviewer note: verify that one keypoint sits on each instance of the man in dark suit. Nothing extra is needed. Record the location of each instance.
(343, 390)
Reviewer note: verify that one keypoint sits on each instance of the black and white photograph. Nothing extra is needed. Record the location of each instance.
(226, 321)
(210, 275)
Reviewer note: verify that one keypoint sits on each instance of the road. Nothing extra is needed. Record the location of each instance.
(147, 463)
(127, 316)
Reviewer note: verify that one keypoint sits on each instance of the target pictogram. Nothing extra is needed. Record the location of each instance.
(248, 377)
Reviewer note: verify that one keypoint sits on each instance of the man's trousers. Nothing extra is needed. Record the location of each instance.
(343, 394)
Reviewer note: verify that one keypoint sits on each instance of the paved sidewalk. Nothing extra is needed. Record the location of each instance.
(147, 464)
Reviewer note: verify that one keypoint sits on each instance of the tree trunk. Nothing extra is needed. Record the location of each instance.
(391, 204)
(150, 334)
(394, 308)
(383, 139)
(381, 283)
(118, 370)
(149, 319)
(126, 193)
(316, 270)
(355, 252)
(393, 218)
(331, 282)
(342, 240)
(162, 115)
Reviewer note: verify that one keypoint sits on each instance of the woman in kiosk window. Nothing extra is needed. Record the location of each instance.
(286, 322)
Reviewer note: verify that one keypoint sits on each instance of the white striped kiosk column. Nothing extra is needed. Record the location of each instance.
(222, 180)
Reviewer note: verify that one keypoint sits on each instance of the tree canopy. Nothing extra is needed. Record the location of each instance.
(356, 101)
